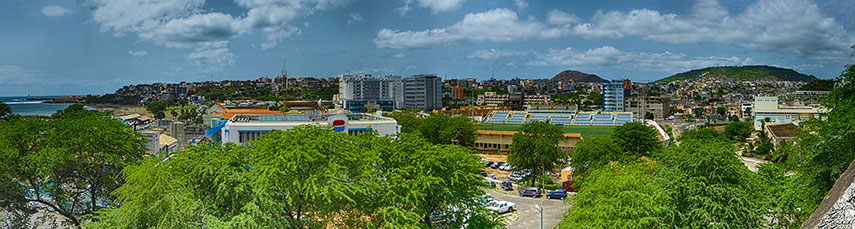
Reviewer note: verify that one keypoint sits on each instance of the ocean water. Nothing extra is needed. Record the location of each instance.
(20, 105)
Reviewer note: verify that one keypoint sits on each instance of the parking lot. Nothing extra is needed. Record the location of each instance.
(526, 215)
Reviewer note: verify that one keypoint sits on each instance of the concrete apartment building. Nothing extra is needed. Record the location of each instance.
(423, 92)
(660, 106)
(371, 92)
(614, 94)
(241, 129)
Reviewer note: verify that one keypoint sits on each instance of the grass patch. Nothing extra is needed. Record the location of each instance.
(586, 131)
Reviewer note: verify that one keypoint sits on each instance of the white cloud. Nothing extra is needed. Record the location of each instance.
(521, 5)
(354, 17)
(399, 55)
(785, 26)
(495, 54)
(437, 6)
(211, 59)
(185, 24)
(557, 17)
(497, 25)
(608, 56)
(54, 11)
(137, 53)
(781, 26)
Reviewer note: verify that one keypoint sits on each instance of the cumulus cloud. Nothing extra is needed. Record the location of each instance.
(608, 56)
(137, 53)
(54, 11)
(185, 24)
(782, 26)
(495, 54)
(787, 26)
(497, 25)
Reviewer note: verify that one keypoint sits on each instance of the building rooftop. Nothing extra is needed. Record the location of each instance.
(782, 130)
(229, 113)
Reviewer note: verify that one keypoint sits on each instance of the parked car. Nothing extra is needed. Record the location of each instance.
(503, 167)
(484, 161)
(556, 194)
(497, 165)
(502, 206)
(507, 186)
(491, 176)
(490, 184)
(489, 163)
(533, 192)
(515, 177)
(482, 173)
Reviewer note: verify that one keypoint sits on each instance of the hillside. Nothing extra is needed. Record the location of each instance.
(755, 72)
(577, 76)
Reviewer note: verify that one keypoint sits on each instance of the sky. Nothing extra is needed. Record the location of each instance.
(60, 47)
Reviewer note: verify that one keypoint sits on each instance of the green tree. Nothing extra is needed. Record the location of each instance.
(442, 129)
(739, 130)
(703, 134)
(620, 196)
(429, 185)
(5, 110)
(156, 107)
(698, 112)
(648, 115)
(408, 119)
(595, 152)
(458, 130)
(636, 138)
(720, 110)
(711, 186)
(69, 164)
(535, 147)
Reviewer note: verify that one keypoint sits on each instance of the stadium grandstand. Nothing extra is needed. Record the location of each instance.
(559, 115)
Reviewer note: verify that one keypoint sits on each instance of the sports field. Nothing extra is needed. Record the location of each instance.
(586, 131)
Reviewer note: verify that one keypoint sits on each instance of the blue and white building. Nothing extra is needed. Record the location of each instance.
(241, 129)
(614, 95)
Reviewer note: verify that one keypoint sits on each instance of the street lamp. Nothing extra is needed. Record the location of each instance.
(541, 214)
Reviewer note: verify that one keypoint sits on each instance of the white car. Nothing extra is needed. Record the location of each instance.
(502, 206)
(504, 167)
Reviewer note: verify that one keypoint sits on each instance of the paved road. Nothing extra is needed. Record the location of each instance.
(525, 215)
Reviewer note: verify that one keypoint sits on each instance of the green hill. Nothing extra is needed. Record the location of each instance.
(755, 72)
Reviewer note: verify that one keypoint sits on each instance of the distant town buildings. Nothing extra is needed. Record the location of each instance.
(423, 92)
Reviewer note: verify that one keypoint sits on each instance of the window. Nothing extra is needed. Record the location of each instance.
(249, 136)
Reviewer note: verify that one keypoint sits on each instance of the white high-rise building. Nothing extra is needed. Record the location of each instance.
(357, 91)
(614, 95)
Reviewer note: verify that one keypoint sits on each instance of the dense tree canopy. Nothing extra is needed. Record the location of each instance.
(306, 177)
(68, 165)
(595, 152)
(444, 129)
(636, 138)
(5, 110)
(408, 119)
(535, 147)
(620, 196)
(739, 130)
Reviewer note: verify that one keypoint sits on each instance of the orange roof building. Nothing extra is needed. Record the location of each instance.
(229, 113)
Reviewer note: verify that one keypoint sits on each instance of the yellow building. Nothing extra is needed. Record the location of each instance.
(500, 141)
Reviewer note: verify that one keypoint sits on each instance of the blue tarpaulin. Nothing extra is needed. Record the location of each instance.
(215, 129)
